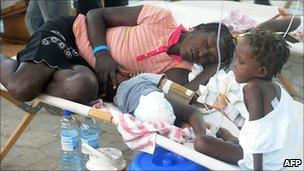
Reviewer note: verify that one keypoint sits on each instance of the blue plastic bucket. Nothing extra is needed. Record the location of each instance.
(163, 159)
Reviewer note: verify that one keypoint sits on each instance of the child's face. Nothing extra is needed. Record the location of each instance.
(246, 66)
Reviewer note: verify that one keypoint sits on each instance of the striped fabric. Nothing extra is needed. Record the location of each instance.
(138, 48)
(142, 135)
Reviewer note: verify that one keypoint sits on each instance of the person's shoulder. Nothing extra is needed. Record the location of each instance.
(252, 91)
(253, 85)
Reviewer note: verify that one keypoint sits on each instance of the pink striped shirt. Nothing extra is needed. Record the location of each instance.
(141, 47)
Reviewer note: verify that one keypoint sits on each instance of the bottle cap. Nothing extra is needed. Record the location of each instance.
(67, 113)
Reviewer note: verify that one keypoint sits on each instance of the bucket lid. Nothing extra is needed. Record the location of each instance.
(163, 159)
(67, 113)
(113, 154)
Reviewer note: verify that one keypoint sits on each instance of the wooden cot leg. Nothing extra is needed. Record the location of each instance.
(16, 134)
(8, 97)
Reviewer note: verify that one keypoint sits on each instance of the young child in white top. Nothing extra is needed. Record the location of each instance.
(271, 132)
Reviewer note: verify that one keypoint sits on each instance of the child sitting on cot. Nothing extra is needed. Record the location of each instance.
(270, 133)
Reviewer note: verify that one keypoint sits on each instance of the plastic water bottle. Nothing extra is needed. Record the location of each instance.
(89, 134)
(70, 149)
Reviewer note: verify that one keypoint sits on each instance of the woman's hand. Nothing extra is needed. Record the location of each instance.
(105, 68)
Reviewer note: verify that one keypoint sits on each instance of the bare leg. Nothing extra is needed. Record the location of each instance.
(225, 151)
(77, 84)
(26, 80)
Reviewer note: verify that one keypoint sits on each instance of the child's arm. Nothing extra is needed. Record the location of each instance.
(258, 162)
(188, 113)
(253, 99)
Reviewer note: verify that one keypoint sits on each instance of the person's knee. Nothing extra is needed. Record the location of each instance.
(22, 92)
(82, 87)
(201, 144)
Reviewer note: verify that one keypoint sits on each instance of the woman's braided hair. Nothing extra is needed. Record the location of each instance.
(270, 49)
(227, 43)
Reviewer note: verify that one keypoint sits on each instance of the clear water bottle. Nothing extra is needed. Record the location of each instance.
(89, 134)
(70, 143)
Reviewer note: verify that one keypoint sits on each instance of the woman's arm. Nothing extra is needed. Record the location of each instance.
(98, 21)
(203, 78)
(180, 76)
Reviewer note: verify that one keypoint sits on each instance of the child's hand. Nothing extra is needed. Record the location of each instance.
(224, 134)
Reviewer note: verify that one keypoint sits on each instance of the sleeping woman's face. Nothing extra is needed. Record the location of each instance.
(199, 47)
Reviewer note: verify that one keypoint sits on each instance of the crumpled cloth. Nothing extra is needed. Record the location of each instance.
(154, 107)
(196, 69)
(238, 22)
(222, 83)
(140, 135)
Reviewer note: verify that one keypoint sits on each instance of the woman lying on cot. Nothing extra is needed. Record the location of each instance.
(59, 58)
(270, 133)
